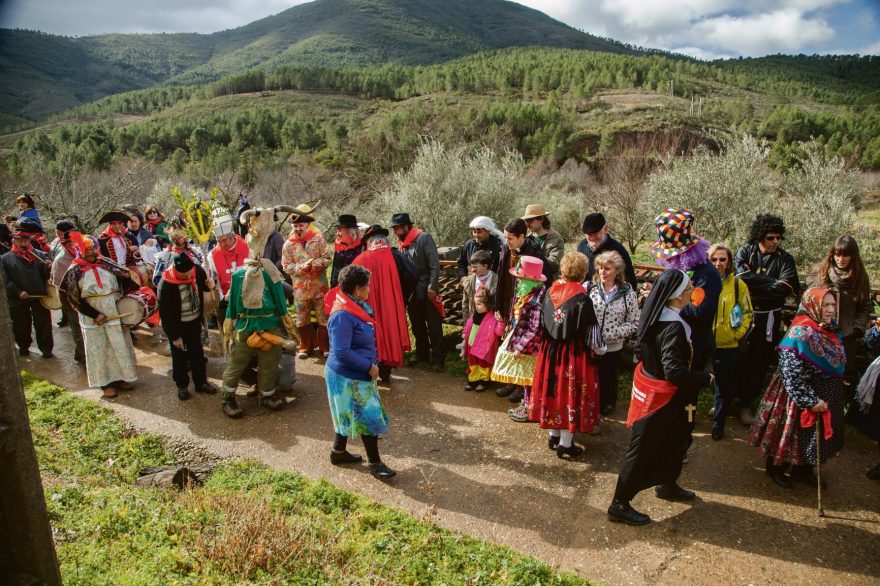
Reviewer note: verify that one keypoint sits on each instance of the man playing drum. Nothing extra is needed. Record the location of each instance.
(93, 287)
(25, 272)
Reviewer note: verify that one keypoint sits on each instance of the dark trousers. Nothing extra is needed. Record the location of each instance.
(32, 314)
(725, 383)
(609, 367)
(221, 313)
(191, 359)
(754, 360)
(79, 352)
(427, 328)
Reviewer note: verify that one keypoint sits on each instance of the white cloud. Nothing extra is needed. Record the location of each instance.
(785, 30)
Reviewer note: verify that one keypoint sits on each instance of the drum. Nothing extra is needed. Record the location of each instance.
(51, 300)
(143, 274)
(137, 306)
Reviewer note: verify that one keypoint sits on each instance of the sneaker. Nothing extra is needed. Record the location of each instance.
(182, 393)
(519, 414)
(504, 391)
(272, 402)
(517, 395)
(479, 388)
(745, 416)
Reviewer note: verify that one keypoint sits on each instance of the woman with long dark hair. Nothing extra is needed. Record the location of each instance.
(843, 272)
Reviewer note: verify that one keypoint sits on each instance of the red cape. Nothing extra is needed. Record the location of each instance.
(386, 299)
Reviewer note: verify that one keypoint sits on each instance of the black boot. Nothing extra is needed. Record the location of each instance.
(552, 441)
(381, 471)
(344, 457)
(230, 406)
(673, 492)
(777, 474)
(272, 402)
(571, 451)
(804, 473)
(622, 512)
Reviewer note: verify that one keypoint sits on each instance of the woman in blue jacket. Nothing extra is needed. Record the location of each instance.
(351, 373)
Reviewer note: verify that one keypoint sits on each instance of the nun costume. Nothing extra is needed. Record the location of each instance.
(658, 413)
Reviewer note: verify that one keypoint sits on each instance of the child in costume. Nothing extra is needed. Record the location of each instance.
(481, 334)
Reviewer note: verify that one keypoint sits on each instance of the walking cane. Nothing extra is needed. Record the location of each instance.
(819, 462)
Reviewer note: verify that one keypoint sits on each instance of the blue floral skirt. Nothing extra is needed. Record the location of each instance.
(355, 405)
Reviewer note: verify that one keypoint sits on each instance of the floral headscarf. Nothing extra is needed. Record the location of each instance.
(813, 340)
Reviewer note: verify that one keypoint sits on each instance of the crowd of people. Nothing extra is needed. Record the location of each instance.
(546, 329)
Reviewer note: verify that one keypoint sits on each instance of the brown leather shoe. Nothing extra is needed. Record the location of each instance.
(124, 386)
(109, 393)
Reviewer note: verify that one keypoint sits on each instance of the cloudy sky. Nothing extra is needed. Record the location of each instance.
(702, 28)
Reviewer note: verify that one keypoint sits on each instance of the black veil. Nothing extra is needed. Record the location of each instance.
(669, 284)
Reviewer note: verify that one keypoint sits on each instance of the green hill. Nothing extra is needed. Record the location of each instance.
(43, 74)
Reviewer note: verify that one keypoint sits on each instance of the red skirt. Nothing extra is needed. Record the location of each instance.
(565, 388)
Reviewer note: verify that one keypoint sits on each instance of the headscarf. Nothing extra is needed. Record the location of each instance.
(486, 223)
(670, 284)
(813, 340)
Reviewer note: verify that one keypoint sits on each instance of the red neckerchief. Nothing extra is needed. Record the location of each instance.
(410, 238)
(172, 276)
(562, 291)
(151, 224)
(109, 233)
(93, 266)
(305, 238)
(345, 303)
(25, 254)
(69, 247)
(343, 243)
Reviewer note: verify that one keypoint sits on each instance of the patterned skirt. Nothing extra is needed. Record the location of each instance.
(565, 393)
(777, 432)
(510, 369)
(355, 406)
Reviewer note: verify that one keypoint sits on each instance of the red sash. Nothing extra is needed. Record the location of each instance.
(648, 395)
(410, 238)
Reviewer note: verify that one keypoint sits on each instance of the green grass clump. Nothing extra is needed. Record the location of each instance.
(248, 525)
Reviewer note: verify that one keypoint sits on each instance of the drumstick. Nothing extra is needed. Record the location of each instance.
(120, 316)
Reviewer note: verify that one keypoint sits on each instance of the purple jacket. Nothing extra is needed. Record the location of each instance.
(488, 337)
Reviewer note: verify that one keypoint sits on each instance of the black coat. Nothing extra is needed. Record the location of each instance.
(19, 276)
(770, 277)
(666, 355)
(504, 290)
(493, 246)
(169, 303)
(610, 244)
(409, 275)
(701, 318)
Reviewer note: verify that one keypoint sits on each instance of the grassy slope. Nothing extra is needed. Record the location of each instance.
(43, 74)
(248, 524)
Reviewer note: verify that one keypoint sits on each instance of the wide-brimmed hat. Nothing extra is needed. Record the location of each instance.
(535, 210)
(114, 216)
(593, 223)
(401, 219)
(529, 267)
(347, 221)
(675, 230)
(375, 230)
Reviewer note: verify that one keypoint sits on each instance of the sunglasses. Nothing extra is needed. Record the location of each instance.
(773, 238)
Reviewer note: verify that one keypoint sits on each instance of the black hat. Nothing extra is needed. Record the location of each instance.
(182, 262)
(347, 221)
(301, 218)
(401, 219)
(65, 226)
(114, 216)
(374, 230)
(593, 223)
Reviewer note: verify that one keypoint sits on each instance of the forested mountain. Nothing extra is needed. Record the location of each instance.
(41, 74)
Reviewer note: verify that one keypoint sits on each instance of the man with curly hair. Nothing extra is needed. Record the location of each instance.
(771, 276)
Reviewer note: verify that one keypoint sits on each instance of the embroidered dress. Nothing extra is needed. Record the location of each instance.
(524, 336)
(565, 391)
(109, 352)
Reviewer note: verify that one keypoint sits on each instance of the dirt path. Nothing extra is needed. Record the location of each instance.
(464, 465)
